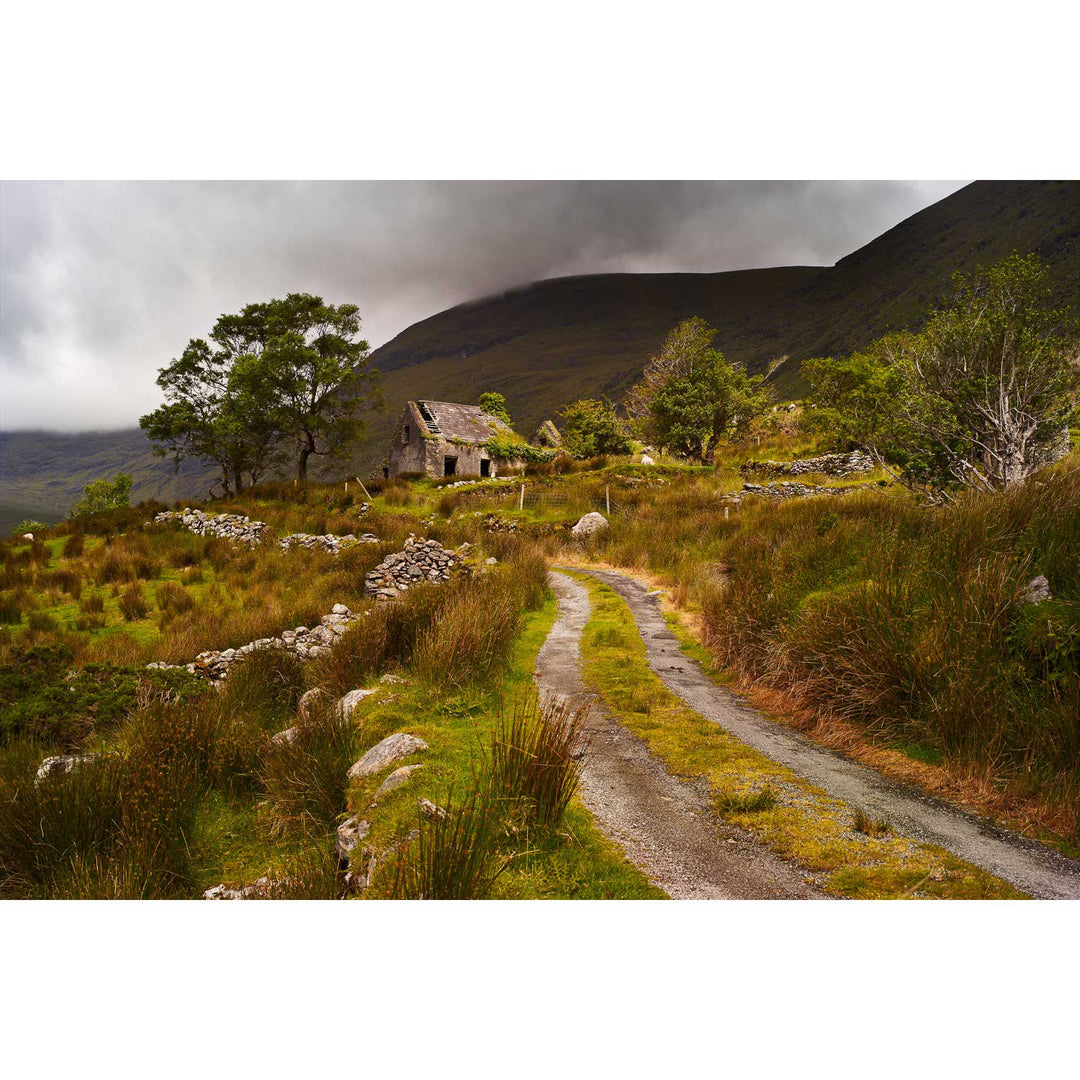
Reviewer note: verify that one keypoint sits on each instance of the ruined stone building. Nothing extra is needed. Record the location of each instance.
(443, 439)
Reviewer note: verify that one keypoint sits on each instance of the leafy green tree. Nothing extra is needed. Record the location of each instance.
(285, 371)
(690, 396)
(590, 427)
(979, 398)
(104, 495)
(495, 405)
(315, 368)
(218, 409)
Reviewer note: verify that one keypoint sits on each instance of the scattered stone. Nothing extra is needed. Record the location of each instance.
(349, 701)
(430, 810)
(310, 700)
(418, 561)
(349, 834)
(390, 679)
(286, 737)
(391, 749)
(591, 523)
(395, 780)
(1036, 591)
(790, 489)
(646, 460)
(263, 889)
(61, 765)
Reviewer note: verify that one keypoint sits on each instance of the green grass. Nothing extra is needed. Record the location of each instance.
(794, 818)
(574, 861)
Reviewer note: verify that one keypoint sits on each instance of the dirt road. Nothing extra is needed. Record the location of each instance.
(1029, 866)
(664, 825)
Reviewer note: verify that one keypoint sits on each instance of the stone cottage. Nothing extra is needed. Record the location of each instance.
(443, 439)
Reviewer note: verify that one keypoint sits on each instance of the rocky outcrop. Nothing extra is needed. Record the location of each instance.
(589, 524)
(858, 461)
(391, 749)
(263, 888)
(304, 642)
(1036, 591)
(417, 562)
(243, 530)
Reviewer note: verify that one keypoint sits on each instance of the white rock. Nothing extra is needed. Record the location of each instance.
(589, 524)
(391, 749)
(349, 834)
(349, 702)
(646, 460)
(340, 609)
(395, 780)
(430, 810)
(61, 765)
(286, 737)
(1037, 590)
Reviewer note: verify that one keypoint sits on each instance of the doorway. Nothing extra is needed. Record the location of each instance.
(450, 466)
(485, 467)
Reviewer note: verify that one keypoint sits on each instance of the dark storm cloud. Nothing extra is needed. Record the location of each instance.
(103, 283)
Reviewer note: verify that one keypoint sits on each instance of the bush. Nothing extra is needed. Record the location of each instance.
(133, 603)
(11, 609)
(74, 545)
(173, 599)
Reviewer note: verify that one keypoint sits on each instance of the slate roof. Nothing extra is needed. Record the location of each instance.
(468, 423)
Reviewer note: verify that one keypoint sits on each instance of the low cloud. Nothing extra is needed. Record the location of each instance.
(101, 284)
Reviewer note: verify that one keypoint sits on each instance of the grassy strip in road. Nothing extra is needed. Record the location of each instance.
(572, 861)
(848, 854)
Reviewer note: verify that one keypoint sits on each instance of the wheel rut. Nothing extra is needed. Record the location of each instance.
(1026, 864)
(665, 826)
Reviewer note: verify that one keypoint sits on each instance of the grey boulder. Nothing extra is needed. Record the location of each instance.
(391, 749)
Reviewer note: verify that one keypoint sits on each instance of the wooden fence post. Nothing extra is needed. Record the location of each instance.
(521, 498)
(607, 499)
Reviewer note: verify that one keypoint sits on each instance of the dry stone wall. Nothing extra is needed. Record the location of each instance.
(858, 461)
(243, 530)
(308, 643)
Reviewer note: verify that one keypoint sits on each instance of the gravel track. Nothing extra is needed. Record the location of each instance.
(1026, 864)
(664, 825)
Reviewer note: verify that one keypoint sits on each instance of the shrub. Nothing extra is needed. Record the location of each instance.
(74, 545)
(133, 603)
(92, 603)
(173, 599)
(11, 608)
(191, 575)
(42, 622)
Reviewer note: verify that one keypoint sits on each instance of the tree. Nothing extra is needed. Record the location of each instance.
(590, 427)
(291, 370)
(315, 367)
(691, 396)
(979, 398)
(495, 405)
(218, 409)
(104, 495)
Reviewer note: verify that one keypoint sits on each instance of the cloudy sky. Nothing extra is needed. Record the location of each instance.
(102, 283)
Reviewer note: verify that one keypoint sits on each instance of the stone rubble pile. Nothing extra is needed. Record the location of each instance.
(307, 643)
(242, 529)
(857, 461)
(418, 561)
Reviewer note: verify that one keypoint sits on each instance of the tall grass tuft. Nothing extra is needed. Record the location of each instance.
(535, 750)
(305, 779)
(455, 855)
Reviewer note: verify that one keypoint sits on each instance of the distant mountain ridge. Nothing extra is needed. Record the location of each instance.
(547, 343)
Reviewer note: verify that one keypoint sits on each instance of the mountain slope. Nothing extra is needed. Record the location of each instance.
(42, 473)
(547, 343)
